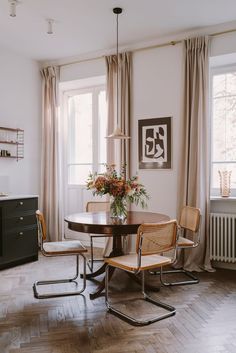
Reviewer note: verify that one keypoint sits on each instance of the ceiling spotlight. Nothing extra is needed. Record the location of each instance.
(13, 4)
(50, 24)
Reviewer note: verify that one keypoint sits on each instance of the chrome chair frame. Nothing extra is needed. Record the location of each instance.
(90, 262)
(171, 310)
(37, 295)
(193, 279)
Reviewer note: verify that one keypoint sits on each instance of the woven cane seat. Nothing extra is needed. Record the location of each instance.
(184, 242)
(130, 262)
(63, 247)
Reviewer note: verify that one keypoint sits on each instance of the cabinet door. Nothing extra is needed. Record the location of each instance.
(19, 207)
(18, 231)
(19, 222)
(20, 244)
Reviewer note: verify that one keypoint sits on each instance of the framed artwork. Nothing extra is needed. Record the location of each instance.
(154, 143)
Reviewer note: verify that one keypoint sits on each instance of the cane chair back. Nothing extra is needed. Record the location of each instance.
(156, 238)
(41, 225)
(190, 218)
(98, 206)
(152, 240)
(189, 227)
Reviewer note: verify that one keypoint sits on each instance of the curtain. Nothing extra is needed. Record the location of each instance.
(118, 151)
(194, 164)
(124, 94)
(50, 155)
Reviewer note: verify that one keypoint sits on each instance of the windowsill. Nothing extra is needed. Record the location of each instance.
(219, 198)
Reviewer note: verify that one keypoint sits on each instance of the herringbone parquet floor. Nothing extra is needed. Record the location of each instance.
(205, 321)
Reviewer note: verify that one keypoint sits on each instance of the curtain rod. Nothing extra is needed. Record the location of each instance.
(171, 43)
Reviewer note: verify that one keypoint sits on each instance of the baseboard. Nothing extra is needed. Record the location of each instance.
(225, 265)
(19, 262)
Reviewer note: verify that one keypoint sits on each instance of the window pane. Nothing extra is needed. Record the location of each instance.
(80, 128)
(219, 129)
(102, 123)
(224, 126)
(219, 85)
(231, 83)
(230, 129)
(101, 168)
(78, 174)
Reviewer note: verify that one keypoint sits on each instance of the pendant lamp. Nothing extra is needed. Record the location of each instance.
(117, 133)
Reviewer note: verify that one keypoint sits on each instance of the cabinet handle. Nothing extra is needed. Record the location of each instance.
(21, 218)
(21, 203)
(21, 233)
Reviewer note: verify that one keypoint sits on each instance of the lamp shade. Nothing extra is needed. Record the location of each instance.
(118, 134)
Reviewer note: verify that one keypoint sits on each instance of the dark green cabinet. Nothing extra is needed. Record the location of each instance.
(18, 231)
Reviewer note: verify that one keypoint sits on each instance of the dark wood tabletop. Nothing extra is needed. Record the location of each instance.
(102, 223)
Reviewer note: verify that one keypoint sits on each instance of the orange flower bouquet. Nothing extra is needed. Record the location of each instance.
(120, 190)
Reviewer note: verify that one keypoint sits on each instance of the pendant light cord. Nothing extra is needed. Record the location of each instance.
(117, 77)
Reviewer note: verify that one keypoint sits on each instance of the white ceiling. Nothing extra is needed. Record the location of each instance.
(86, 26)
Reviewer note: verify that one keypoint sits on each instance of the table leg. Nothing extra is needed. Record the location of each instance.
(98, 292)
(116, 251)
(99, 272)
(116, 246)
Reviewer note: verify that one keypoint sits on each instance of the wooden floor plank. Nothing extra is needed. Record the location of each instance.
(205, 320)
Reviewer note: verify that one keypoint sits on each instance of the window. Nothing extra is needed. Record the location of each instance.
(87, 125)
(223, 131)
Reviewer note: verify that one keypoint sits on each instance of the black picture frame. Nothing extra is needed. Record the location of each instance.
(155, 143)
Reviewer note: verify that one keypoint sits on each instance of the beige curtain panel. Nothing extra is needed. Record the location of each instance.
(124, 72)
(194, 172)
(124, 76)
(49, 164)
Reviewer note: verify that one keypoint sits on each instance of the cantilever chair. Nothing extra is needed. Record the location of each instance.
(190, 220)
(152, 240)
(59, 248)
(96, 206)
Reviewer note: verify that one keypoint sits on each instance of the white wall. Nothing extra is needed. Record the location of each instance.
(20, 107)
(83, 70)
(157, 92)
(223, 44)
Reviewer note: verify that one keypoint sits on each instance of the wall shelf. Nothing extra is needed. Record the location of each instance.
(11, 143)
(14, 138)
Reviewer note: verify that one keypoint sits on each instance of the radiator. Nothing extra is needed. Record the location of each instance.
(223, 237)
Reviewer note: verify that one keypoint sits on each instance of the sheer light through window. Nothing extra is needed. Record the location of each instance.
(223, 126)
(87, 126)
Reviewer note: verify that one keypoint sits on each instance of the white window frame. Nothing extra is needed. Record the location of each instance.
(95, 90)
(224, 69)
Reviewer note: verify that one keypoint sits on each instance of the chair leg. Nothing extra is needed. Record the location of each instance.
(91, 261)
(171, 310)
(58, 281)
(193, 279)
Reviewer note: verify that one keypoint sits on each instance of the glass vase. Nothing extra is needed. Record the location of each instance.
(225, 181)
(118, 207)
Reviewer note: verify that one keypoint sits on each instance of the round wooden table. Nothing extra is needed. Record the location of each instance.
(102, 223)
